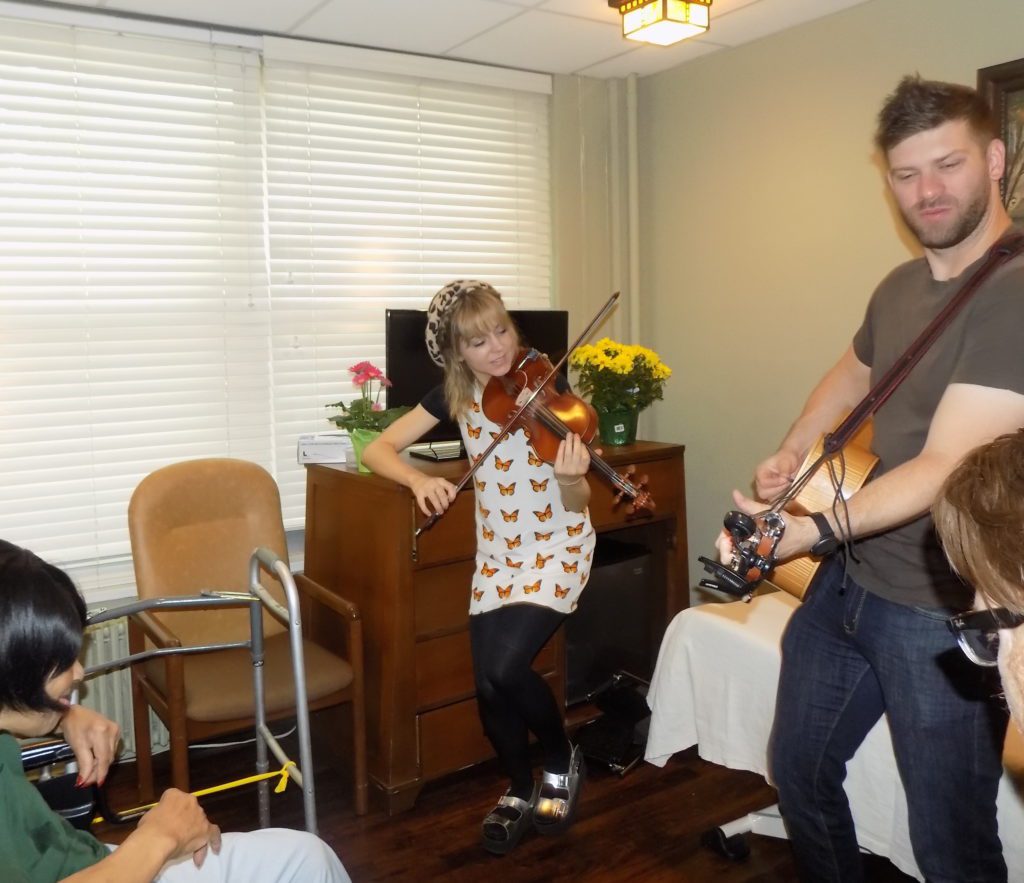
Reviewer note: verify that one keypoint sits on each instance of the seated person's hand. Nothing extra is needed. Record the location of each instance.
(181, 820)
(94, 739)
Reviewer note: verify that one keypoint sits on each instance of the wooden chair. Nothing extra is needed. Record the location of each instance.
(193, 526)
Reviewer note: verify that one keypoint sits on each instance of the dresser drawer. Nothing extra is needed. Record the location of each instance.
(453, 536)
(661, 475)
(442, 597)
(444, 669)
(452, 738)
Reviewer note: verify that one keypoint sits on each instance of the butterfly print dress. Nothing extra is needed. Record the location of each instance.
(530, 548)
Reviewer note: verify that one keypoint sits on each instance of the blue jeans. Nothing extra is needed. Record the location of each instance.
(847, 657)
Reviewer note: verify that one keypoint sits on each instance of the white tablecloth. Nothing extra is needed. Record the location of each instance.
(714, 686)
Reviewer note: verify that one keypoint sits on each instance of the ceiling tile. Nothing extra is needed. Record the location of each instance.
(406, 25)
(756, 20)
(552, 36)
(543, 41)
(254, 15)
(598, 10)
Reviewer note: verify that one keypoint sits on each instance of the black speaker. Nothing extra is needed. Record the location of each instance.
(610, 631)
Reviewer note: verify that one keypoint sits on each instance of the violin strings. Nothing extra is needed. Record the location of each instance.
(554, 423)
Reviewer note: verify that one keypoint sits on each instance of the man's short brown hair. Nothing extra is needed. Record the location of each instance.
(920, 105)
(979, 516)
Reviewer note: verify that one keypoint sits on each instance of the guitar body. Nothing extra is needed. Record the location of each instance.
(796, 574)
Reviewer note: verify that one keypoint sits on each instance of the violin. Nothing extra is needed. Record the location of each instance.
(526, 397)
(550, 416)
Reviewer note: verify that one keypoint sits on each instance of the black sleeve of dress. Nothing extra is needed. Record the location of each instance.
(561, 384)
(435, 403)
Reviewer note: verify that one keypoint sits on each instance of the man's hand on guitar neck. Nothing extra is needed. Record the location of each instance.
(776, 474)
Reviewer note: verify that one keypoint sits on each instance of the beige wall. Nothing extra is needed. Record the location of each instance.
(765, 223)
(588, 200)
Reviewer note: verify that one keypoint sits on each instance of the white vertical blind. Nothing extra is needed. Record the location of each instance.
(192, 255)
(382, 188)
(133, 307)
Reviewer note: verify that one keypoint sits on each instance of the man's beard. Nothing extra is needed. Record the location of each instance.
(957, 229)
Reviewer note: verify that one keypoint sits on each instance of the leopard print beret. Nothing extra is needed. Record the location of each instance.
(437, 326)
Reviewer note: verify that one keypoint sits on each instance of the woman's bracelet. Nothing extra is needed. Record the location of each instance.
(579, 478)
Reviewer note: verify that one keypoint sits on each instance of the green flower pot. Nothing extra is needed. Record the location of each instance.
(617, 427)
(360, 439)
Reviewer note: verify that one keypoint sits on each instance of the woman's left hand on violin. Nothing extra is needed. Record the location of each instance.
(572, 460)
(571, 465)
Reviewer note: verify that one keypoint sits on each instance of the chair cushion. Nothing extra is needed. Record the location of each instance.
(218, 685)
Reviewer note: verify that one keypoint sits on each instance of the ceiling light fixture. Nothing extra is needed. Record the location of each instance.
(663, 22)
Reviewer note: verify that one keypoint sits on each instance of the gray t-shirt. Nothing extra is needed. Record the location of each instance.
(982, 346)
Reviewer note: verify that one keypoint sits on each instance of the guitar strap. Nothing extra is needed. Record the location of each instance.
(754, 560)
(1003, 251)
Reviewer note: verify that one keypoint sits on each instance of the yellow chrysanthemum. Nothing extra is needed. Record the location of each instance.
(616, 375)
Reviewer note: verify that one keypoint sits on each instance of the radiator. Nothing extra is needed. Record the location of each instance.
(111, 693)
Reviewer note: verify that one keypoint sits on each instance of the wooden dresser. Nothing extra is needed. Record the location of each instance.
(414, 596)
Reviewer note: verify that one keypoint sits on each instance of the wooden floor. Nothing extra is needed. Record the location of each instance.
(644, 826)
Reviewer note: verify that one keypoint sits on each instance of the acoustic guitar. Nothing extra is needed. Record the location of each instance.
(796, 574)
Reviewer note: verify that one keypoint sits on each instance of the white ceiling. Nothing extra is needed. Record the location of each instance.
(550, 36)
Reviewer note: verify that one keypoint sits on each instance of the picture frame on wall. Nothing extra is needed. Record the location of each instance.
(1003, 86)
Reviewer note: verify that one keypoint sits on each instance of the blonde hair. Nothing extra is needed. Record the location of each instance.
(979, 516)
(475, 313)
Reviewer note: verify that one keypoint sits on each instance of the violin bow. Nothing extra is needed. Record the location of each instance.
(604, 311)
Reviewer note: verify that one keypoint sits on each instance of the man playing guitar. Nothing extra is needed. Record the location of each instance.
(871, 637)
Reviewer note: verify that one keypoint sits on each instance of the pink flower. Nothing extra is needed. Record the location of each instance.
(363, 375)
(366, 369)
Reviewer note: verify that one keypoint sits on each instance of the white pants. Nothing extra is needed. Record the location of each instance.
(269, 855)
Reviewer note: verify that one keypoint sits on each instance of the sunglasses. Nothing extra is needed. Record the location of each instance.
(977, 632)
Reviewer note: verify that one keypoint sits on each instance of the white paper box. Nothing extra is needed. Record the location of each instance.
(323, 447)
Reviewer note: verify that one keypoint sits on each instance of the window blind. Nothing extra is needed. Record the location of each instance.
(381, 189)
(195, 244)
(133, 305)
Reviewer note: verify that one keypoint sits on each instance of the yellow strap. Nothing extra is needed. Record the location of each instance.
(227, 786)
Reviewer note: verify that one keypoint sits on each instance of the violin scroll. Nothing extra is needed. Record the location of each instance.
(635, 489)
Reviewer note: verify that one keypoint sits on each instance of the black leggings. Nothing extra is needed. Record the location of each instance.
(512, 698)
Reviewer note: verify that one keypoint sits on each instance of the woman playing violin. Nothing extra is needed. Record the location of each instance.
(535, 545)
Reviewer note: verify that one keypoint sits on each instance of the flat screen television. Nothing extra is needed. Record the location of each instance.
(413, 374)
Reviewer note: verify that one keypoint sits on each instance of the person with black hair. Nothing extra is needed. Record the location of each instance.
(42, 618)
(871, 637)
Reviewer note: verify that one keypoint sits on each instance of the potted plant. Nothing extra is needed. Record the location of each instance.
(365, 418)
(621, 380)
